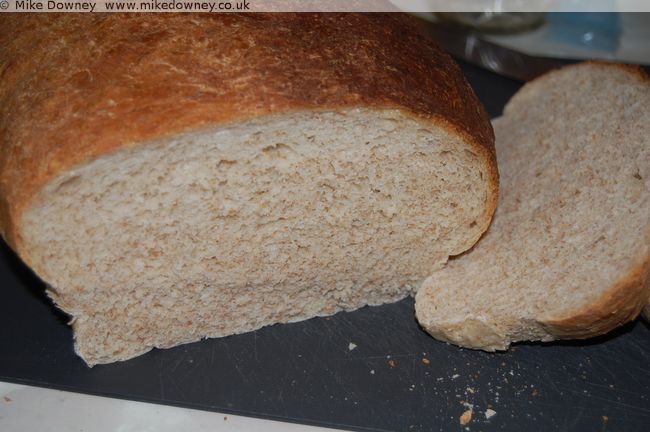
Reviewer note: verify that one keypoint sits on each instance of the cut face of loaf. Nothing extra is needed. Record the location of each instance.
(567, 255)
(272, 220)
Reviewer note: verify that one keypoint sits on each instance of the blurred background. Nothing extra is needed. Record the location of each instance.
(524, 45)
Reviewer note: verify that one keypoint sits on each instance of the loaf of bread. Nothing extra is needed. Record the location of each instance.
(568, 252)
(176, 177)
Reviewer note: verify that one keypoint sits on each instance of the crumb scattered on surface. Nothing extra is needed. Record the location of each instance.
(352, 346)
(466, 417)
(426, 361)
(372, 371)
(392, 363)
(489, 413)
(535, 392)
(8, 399)
(225, 418)
(454, 376)
(605, 419)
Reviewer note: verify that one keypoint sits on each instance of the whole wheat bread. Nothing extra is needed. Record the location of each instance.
(567, 255)
(175, 177)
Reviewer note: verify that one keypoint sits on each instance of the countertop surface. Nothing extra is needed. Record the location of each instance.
(372, 369)
(38, 409)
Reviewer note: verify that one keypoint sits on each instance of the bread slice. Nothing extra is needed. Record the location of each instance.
(175, 177)
(568, 253)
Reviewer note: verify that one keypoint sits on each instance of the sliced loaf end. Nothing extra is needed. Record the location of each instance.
(567, 255)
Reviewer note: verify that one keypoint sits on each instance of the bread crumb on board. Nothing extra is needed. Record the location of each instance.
(466, 417)
(392, 363)
(489, 413)
(426, 361)
(7, 399)
(352, 346)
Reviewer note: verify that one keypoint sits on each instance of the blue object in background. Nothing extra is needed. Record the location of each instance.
(599, 31)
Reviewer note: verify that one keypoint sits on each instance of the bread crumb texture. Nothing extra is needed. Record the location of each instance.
(567, 255)
(273, 220)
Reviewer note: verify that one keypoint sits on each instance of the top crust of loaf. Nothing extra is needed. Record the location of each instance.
(76, 86)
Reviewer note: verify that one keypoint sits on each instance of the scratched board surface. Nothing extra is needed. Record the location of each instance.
(372, 369)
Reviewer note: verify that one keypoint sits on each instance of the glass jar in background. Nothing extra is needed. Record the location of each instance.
(494, 22)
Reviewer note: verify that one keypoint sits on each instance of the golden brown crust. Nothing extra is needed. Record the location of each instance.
(75, 86)
(620, 304)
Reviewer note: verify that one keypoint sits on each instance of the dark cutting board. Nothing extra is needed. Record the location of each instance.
(396, 379)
